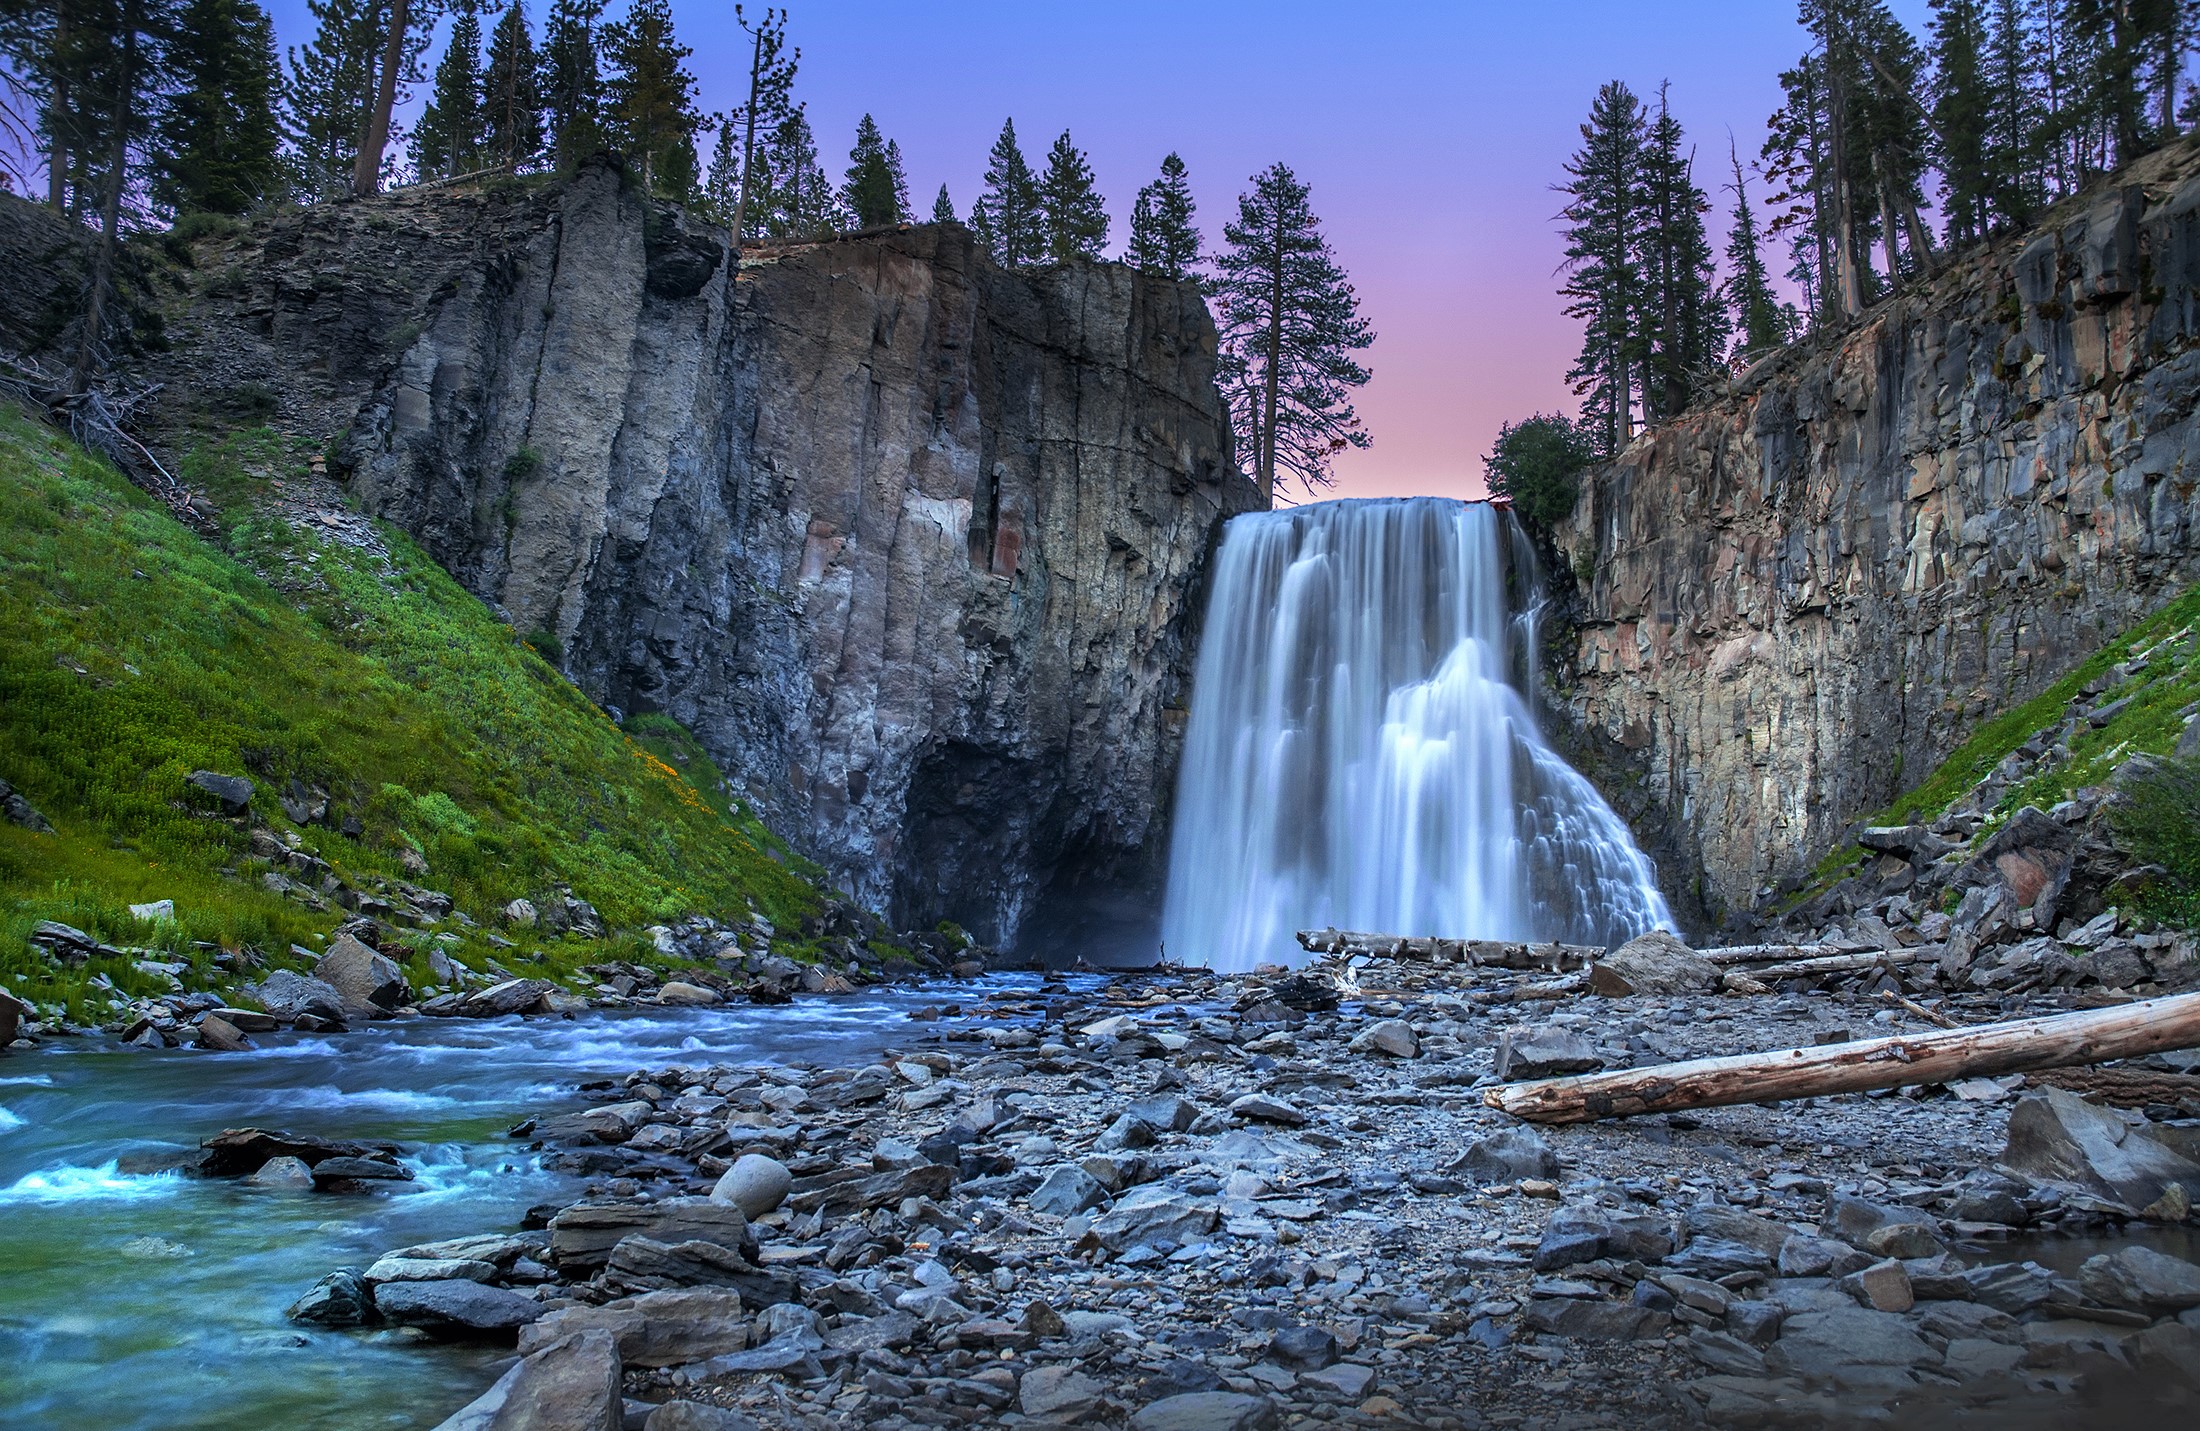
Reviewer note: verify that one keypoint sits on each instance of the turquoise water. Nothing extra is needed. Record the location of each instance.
(134, 1299)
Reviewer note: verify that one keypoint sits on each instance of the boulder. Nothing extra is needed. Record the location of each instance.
(429, 1269)
(641, 1264)
(2057, 1137)
(289, 995)
(583, 1235)
(18, 811)
(283, 1172)
(1392, 1037)
(2142, 1280)
(680, 992)
(1881, 1229)
(1206, 1411)
(1509, 1156)
(1155, 1213)
(1058, 1393)
(359, 1170)
(368, 981)
(570, 1385)
(669, 1328)
(232, 792)
(1595, 1321)
(1066, 1191)
(1263, 1108)
(455, 1308)
(234, 1152)
(511, 996)
(219, 1034)
(1583, 1233)
(337, 1300)
(755, 1183)
(1165, 1112)
(1652, 963)
(1524, 1052)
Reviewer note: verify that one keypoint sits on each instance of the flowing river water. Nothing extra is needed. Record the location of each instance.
(136, 1299)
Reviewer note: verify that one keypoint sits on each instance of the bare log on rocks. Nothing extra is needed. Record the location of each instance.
(1982, 1051)
(1490, 953)
(1841, 964)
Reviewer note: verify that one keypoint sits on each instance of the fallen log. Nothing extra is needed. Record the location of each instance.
(1769, 953)
(2126, 1087)
(1841, 964)
(1490, 953)
(1981, 1051)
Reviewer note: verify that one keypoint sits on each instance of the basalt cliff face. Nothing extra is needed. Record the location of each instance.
(911, 543)
(1799, 599)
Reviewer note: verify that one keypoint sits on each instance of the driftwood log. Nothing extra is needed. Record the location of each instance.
(1490, 953)
(1981, 1051)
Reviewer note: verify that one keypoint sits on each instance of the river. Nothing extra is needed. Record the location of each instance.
(154, 1299)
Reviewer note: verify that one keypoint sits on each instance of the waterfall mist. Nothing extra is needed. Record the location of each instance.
(1361, 753)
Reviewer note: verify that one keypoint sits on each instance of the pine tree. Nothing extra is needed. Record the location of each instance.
(448, 138)
(218, 150)
(898, 173)
(1683, 325)
(401, 32)
(572, 81)
(1072, 220)
(652, 97)
(117, 88)
(1604, 217)
(511, 92)
(1961, 101)
(1761, 321)
(2011, 141)
(1163, 238)
(722, 183)
(871, 194)
(943, 208)
(1006, 216)
(767, 108)
(1891, 128)
(1290, 326)
(803, 203)
(327, 92)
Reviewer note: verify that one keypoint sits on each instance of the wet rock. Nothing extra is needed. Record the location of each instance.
(290, 995)
(1524, 1052)
(234, 1152)
(219, 1034)
(337, 1300)
(2059, 1138)
(1652, 963)
(1206, 1411)
(282, 1172)
(455, 1307)
(233, 793)
(755, 1183)
(1881, 1229)
(1058, 1393)
(669, 1328)
(1391, 1037)
(1066, 1191)
(1509, 1156)
(583, 1235)
(570, 1385)
(430, 1269)
(249, 1021)
(512, 996)
(2142, 1280)
(369, 982)
(331, 1171)
(680, 992)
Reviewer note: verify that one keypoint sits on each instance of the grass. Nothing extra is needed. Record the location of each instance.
(2161, 684)
(133, 652)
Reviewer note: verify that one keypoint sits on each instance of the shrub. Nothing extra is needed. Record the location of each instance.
(1538, 463)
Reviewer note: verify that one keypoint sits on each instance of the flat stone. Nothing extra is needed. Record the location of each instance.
(570, 1385)
(695, 1416)
(232, 792)
(1206, 1411)
(1816, 1345)
(658, 1329)
(2141, 1279)
(359, 1170)
(429, 1269)
(1393, 1038)
(2057, 1137)
(1509, 1156)
(1595, 1321)
(1155, 1213)
(1347, 1379)
(1060, 1393)
(219, 1034)
(1067, 1191)
(1166, 1112)
(583, 1235)
(1261, 1108)
(456, 1306)
(1543, 1053)
(512, 996)
(755, 1183)
(1883, 1286)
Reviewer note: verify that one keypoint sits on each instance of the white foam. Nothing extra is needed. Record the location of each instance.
(72, 1183)
(9, 1121)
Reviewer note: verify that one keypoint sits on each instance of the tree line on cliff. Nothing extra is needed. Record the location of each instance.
(2001, 108)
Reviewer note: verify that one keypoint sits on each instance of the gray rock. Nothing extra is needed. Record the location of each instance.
(232, 792)
(1595, 1321)
(755, 1183)
(2059, 1138)
(1307, 1347)
(1883, 1230)
(282, 1172)
(1816, 1345)
(1126, 1132)
(1583, 1233)
(583, 1235)
(1652, 963)
(1883, 1286)
(1802, 1255)
(1066, 1191)
(569, 1385)
(1543, 1053)
(639, 1263)
(1509, 1156)
(2142, 1280)
(1155, 1213)
(1206, 1411)
(289, 995)
(455, 1307)
(695, 1416)
(368, 982)
(670, 1328)
(219, 1034)
(1262, 1108)
(512, 996)
(1058, 1393)
(1166, 1112)
(18, 811)
(429, 1269)
(337, 1300)
(1391, 1037)
(359, 1170)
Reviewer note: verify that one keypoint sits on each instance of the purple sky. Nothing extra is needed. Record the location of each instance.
(1431, 134)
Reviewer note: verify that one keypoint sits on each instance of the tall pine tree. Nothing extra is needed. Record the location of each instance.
(447, 140)
(1683, 324)
(511, 93)
(722, 181)
(872, 194)
(1006, 216)
(327, 93)
(1073, 221)
(803, 204)
(943, 208)
(1163, 237)
(218, 150)
(572, 81)
(1603, 288)
(765, 109)
(1762, 321)
(1291, 326)
(651, 108)
(1960, 106)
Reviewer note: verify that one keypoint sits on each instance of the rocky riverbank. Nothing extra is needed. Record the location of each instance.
(1173, 1201)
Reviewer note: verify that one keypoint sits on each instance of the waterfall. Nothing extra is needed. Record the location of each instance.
(1361, 753)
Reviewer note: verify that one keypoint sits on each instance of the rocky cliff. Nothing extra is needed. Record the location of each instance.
(1803, 596)
(911, 543)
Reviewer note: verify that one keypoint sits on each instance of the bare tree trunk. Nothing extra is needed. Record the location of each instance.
(1273, 375)
(103, 267)
(1984, 1051)
(366, 172)
(1850, 280)
(748, 142)
(1887, 228)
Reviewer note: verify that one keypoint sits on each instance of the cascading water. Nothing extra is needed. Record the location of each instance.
(1361, 754)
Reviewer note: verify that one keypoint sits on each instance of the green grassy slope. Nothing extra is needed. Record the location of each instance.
(133, 651)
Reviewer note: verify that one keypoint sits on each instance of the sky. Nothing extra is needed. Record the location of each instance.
(1431, 135)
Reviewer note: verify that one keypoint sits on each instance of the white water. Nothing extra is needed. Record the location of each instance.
(1360, 753)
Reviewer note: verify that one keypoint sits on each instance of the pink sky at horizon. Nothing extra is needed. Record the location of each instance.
(1431, 135)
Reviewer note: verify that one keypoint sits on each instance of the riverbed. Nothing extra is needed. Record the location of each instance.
(140, 1299)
